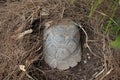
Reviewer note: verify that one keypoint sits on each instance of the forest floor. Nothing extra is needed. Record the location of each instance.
(21, 54)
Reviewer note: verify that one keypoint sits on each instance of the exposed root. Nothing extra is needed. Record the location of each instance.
(86, 41)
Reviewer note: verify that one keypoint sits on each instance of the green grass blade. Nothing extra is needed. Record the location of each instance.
(95, 6)
(114, 7)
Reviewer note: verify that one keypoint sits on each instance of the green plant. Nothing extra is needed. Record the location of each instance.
(115, 30)
(95, 6)
(116, 43)
(109, 23)
(113, 26)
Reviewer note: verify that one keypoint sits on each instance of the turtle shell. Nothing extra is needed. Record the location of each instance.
(62, 45)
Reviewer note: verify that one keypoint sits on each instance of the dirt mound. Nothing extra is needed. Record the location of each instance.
(21, 36)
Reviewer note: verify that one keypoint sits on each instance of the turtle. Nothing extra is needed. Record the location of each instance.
(61, 45)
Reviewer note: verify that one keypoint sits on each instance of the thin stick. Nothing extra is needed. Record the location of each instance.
(24, 33)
